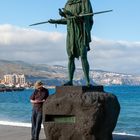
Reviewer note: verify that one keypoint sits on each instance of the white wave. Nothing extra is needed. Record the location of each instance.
(15, 124)
(125, 134)
(21, 124)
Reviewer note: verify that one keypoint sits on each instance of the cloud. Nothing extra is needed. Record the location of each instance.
(37, 46)
(120, 56)
(31, 45)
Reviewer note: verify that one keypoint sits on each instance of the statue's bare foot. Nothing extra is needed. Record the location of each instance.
(69, 83)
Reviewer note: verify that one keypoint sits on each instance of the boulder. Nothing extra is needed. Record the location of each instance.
(80, 113)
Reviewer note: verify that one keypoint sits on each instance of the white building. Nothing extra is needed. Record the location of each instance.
(15, 79)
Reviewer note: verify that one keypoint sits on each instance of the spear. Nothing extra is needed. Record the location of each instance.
(70, 17)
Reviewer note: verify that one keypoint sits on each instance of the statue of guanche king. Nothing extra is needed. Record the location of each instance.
(79, 24)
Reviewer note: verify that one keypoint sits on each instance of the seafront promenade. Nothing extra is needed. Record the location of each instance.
(17, 133)
(23, 133)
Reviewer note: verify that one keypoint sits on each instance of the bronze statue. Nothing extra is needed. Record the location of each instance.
(78, 34)
(78, 16)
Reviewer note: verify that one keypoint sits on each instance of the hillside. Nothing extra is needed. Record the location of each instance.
(57, 75)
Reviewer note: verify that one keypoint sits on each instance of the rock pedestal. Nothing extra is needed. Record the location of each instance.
(80, 113)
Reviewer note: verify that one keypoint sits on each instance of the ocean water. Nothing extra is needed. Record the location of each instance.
(129, 118)
(15, 108)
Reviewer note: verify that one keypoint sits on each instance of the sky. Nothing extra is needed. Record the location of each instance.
(115, 42)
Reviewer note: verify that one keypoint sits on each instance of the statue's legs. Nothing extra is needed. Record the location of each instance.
(85, 66)
(71, 69)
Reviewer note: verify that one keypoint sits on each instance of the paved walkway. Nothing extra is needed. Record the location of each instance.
(24, 133)
(17, 133)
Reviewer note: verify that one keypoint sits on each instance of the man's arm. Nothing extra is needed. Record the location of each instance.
(37, 101)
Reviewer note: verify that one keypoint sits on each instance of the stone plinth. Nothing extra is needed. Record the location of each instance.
(80, 113)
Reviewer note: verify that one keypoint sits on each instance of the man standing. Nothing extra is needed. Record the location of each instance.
(37, 99)
(78, 16)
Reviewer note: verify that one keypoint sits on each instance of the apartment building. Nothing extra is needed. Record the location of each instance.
(14, 79)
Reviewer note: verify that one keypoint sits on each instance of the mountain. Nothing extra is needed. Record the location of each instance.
(57, 75)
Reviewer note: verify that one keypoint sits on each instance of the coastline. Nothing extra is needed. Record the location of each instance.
(24, 133)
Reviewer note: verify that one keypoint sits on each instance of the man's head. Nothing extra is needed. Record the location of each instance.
(38, 85)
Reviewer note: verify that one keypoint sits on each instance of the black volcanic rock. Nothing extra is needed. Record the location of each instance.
(80, 113)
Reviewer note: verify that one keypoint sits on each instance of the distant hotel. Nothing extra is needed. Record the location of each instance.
(15, 79)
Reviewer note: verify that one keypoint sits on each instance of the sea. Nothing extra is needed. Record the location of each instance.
(15, 108)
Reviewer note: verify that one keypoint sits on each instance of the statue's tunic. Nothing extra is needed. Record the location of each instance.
(78, 29)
